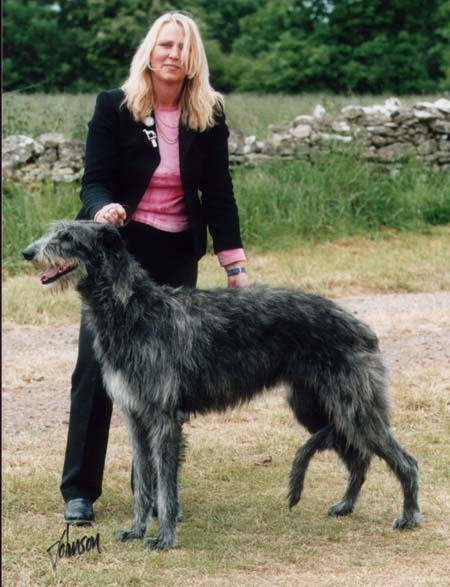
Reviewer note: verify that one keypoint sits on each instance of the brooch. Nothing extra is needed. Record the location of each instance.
(151, 136)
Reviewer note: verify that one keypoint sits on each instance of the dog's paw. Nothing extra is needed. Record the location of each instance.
(407, 521)
(160, 542)
(125, 535)
(341, 508)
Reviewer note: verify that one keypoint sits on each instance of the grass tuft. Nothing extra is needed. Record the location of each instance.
(285, 202)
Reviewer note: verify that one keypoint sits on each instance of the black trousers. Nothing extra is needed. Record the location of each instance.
(170, 259)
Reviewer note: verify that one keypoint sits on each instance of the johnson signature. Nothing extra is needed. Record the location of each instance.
(63, 548)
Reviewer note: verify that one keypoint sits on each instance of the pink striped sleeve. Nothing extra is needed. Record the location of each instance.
(231, 256)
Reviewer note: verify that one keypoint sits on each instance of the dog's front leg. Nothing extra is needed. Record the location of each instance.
(143, 479)
(166, 442)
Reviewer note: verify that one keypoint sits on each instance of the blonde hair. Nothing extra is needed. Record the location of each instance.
(198, 100)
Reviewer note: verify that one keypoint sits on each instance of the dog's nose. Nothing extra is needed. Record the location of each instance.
(28, 253)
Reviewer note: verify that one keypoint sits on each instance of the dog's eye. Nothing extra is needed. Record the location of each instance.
(66, 237)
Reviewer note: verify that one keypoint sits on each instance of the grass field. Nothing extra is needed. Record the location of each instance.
(238, 531)
(337, 228)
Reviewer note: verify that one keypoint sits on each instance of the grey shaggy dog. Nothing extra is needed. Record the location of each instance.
(167, 352)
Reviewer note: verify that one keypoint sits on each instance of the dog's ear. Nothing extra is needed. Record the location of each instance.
(110, 237)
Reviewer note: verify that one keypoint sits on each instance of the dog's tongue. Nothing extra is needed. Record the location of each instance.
(46, 275)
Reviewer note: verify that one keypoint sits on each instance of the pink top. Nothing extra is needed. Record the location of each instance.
(162, 204)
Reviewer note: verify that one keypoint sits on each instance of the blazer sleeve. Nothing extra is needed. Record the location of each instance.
(218, 202)
(100, 181)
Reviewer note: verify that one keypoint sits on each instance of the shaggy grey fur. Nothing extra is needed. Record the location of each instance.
(168, 352)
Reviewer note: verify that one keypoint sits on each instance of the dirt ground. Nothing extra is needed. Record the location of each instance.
(414, 330)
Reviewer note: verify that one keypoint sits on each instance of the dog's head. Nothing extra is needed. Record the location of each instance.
(72, 250)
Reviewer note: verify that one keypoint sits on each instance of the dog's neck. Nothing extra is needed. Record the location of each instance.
(110, 286)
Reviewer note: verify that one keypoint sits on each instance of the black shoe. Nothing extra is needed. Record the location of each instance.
(79, 512)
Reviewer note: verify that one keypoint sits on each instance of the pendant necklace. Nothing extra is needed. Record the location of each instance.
(166, 138)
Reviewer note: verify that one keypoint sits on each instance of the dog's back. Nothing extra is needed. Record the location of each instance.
(240, 342)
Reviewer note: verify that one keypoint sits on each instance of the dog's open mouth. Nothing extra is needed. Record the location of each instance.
(55, 273)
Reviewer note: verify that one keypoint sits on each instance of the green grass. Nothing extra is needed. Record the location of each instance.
(238, 530)
(28, 210)
(285, 202)
(34, 114)
(29, 113)
(281, 204)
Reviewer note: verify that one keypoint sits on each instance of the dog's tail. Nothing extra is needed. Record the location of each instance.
(321, 440)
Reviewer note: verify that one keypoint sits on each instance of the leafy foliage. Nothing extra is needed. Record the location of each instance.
(374, 46)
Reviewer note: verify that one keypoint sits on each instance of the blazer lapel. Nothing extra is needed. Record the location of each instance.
(185, 136)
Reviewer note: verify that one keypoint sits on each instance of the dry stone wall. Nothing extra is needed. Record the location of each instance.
(49, 156)
(385, 134)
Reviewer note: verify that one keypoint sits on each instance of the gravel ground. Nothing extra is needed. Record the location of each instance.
(414, 330)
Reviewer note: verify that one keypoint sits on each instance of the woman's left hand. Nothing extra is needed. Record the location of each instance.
(238, 280)
(111, 214)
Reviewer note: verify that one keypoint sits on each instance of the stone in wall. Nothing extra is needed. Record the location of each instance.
(18, 150)
(49, 156)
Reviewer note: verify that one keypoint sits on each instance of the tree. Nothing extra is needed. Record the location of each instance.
(221, 19)
(399, 46)
(110, 32)
(441, 53)
(73, 45)
(383, 45)
(346, 45)
(32, 46)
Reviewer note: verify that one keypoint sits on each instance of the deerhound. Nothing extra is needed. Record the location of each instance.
(167, 352)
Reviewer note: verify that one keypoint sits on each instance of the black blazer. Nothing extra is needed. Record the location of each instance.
(120, 161)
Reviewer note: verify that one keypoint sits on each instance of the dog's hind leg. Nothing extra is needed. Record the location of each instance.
(166, 442)
(405, 468)
(321, 440)
(143, 480)
(302, 398)
(357, 465)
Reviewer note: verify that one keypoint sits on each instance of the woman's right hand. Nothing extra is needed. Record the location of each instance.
(111, 214)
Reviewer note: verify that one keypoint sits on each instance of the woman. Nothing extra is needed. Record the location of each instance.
(153, 146)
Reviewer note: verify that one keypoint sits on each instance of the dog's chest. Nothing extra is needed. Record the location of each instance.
(119, 390)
